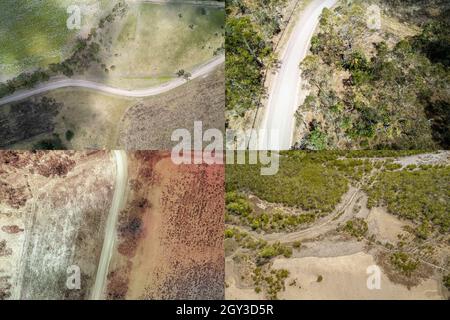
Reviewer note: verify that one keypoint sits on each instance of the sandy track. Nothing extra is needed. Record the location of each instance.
(328, 223)
(111, 222)
(45, 87)
(285, 89)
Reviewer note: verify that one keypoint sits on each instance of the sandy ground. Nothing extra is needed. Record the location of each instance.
(345, 277)
(386, 226)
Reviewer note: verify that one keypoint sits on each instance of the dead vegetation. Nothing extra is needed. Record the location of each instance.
(11, 229)
(5, 287)
(4, 250)
(170, 233)
(53, 206)
(149, 124)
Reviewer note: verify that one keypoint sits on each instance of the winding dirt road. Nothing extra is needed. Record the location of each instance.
(202, 3)
(278, 121)
(48, 86)
(117, 204)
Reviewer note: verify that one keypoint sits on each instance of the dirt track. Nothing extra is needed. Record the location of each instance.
(165, 87)
(111, 224)
(284, 92)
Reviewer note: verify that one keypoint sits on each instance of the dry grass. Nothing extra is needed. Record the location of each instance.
(149, 124)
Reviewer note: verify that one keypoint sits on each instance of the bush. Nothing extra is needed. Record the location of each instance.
(420, 195)
(317, 140)
(446, 281)
(273, 281)
(297, 244)
(356, 227)
(54, 143)
(404, 263)
(69, 135)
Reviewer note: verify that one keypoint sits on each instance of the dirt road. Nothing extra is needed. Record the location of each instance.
(278, 121)
(189, 2)
(45, 87)
(111, 222)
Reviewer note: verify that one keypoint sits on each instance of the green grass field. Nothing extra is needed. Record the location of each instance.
(147, 47)
(155, 41)
(34, 34)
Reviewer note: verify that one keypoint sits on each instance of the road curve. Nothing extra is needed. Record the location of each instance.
(285, 89)
(48, 86)
(117, 204)
(202, 3)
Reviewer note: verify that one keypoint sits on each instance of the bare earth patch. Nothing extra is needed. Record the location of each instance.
(345, 277)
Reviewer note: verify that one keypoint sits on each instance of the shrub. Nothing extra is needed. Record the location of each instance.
(404, 263)
(356, 227)
(446, 281)
(69, 135)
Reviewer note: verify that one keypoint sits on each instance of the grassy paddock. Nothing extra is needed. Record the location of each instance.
(34, 33)
(155, 41)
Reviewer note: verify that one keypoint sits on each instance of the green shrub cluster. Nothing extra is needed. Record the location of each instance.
(270, 251)
(264, 251)
(446, 281)
(356, 227)
(397, 99)
(85, 52)
(392, 166)
(404, 263)
(420, 195)
(273, 281)
(244, 239)
(239, 211)
(23, 81)
(301, 182)
(250, 27)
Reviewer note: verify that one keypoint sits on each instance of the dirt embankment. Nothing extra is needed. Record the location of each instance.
(170, 242)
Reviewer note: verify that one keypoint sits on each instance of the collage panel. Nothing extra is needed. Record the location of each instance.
(339, 225)
(121, 74)
(338, 74)
(223, 150)
(109, 225)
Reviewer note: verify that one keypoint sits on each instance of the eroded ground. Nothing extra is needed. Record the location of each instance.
(52, 211)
